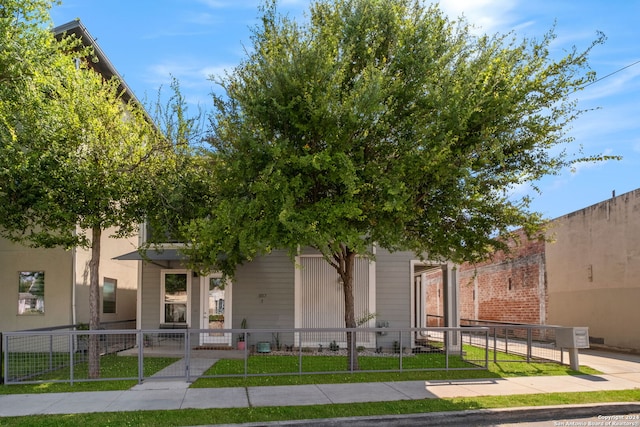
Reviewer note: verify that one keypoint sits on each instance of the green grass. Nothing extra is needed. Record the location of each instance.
(126, 366)
(414, 369)
(261, 364)
(111, 366)
(268, 414)
(496, 370)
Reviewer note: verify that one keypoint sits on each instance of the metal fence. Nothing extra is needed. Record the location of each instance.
(513, 342)
(187, 354)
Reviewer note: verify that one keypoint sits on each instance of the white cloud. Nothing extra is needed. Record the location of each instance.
(489, 16)
(227, 4)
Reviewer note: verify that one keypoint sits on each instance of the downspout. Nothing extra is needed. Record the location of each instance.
(142, 238)
(73, 283)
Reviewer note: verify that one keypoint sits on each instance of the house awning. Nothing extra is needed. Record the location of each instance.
(153, 255)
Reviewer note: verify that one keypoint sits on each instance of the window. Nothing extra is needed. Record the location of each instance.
(109, 287)
(216, 296)
(175, 296)
(31, 292)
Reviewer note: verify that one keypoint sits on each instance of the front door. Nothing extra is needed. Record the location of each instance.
(216, 309)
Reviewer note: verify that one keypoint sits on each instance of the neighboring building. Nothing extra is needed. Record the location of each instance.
(587, 275)
(50, 287)
(507, 288)
(593, 270)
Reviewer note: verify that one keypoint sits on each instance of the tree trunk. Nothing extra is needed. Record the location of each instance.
(94, 303)
(345, 265)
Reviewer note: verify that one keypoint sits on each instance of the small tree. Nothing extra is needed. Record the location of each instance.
(76, 160)
(382, 123)
(182, 190)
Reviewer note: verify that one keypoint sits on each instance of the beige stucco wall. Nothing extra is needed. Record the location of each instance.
(57, 266)
(593, 270)
(124, 272)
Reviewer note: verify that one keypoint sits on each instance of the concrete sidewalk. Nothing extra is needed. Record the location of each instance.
(621, 372)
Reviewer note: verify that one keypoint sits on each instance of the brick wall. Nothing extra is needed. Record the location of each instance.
(434, 296)
(508, 288)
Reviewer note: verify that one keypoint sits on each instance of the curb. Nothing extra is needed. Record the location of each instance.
(479, 417)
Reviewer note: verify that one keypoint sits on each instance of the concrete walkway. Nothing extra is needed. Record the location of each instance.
(620, 372)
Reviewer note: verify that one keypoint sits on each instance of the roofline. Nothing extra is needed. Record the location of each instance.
(104, 66)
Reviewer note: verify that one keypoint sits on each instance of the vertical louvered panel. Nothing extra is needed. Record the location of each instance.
(322, 299)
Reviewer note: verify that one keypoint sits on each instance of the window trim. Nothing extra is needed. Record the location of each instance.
(29, 312)
(163, 274)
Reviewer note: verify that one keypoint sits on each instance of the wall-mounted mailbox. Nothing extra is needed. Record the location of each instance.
(576, 337)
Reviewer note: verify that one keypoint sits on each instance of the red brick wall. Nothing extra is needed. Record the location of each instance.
(434, 296)
(509, 288)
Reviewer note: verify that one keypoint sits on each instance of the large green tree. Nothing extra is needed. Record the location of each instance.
(383, 123)
(76, 158)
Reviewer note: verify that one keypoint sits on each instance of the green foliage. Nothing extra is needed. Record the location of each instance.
(76, 157)
(182, 188)
(383, 123)
(75, 154)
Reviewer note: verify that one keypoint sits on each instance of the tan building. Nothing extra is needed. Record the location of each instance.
(50, 287)
(593, 271)
(588, 275)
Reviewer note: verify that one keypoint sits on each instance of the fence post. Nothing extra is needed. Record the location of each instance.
(140, 338)
(352, 348)
(72, 339)
(506, 340)
(495, 345)
(2, 358)
(187, 354)
(486, 349)
(246, 355)
(400, 349)
(529, 344)
(299, 353)
(51, 352)
(446, 349)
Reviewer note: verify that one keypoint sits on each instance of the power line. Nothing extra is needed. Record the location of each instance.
(610, 74)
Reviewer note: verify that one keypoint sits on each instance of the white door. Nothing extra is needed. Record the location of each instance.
(215, 294)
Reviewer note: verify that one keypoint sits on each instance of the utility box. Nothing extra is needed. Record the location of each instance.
(576, 337)
(571, 339)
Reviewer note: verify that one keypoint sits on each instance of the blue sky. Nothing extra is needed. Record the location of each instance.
(148, 41)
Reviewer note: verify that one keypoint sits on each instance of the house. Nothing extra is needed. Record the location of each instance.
(275, 292)
(50, 287)
(585, 275)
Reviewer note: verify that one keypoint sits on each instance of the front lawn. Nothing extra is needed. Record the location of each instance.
(111, 366)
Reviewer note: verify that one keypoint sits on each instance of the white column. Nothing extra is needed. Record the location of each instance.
(450, 302)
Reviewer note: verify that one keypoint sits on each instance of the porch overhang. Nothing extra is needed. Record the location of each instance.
(153, 255)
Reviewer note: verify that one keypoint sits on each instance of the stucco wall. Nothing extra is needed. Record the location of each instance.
(594, 270)
(56, 263)
(124, 272)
